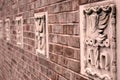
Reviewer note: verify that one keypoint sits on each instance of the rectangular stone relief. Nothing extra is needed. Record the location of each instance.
(7, 29)
(1, 29)
(19, 30)
(41, 33)
(98, 40)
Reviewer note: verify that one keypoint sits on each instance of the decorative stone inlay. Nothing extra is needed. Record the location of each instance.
(1, 29)
(98, 40)
(19, 30)
(41, 33)
(7, 29)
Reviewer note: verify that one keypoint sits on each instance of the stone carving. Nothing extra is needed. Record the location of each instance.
(7, 29)
(1, 29)
(41, 33)
(19, 30)
(98, 43)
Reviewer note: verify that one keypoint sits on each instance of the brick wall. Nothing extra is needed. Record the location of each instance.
(64, 41)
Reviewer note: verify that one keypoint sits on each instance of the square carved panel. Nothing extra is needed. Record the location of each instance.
(41, 33)
(98, 40)
(19, 30)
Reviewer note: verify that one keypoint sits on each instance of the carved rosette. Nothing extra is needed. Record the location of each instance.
(99, 42)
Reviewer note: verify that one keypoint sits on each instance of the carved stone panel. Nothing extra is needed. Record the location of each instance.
(41, 33)
(98, 40)
(19, 30)
(1, 29)
(7, 29)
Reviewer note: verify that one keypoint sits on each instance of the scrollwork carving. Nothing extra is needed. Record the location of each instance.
(40, 33)
(98, 44)
(41, 37)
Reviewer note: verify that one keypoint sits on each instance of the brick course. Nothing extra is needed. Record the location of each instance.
(18, 63)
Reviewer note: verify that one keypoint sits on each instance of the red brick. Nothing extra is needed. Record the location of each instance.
(58, 49)
(66, 6)
(68, 52)
(62, 40)
(74, 65)
(53, 57)
(63, 62)
(77, 77)
(74, 42)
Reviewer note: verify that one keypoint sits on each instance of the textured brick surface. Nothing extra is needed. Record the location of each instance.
(64, 41)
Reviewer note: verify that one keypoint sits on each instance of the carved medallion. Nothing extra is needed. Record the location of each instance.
(98, 54)
(41, 33)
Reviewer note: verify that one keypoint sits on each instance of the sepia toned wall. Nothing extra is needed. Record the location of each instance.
(63, 63)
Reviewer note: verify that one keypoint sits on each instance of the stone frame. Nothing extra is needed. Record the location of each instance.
(98, 52)
(41, 36)
(19, 30)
